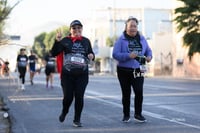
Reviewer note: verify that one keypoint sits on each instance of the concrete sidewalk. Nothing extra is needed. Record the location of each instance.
(5, 123)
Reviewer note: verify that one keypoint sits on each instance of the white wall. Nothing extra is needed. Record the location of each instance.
(9, 53)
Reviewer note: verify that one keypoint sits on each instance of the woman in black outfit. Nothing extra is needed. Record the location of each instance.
(22, 61)
(49, 69)
(77, 52)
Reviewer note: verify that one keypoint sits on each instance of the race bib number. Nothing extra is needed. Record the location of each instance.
(50, 63)
(22, 64)
(143, 68)
(32, 61)
(77, 60)
(75, 63)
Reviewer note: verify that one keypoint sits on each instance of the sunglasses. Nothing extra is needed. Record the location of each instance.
(76, 28)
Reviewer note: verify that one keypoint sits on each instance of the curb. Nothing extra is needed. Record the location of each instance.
(5, 124)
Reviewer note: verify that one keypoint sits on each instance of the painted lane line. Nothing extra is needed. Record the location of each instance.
(97, 96)
(153, 115)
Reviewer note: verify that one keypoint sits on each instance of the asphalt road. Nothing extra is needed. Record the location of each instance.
(170, 106)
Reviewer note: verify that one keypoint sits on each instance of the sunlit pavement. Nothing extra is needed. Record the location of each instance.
(170, 106)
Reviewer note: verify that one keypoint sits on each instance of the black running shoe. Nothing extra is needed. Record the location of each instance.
(31, 82)
(62, 117)
(126, 119)
(77, 124)
(140, 118)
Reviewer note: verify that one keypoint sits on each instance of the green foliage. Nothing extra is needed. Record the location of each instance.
(110, 41)
(49, 40)
(44, 41)
(5, 11)
(1, 28)
(39, 46)
(192, 40)
(188, 20)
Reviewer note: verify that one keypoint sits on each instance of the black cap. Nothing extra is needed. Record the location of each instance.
(75, 22)
(22, 49)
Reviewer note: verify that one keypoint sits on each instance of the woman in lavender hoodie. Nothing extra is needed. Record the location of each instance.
(132, 51)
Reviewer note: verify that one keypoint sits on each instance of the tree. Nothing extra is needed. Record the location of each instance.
(188, 20)
(49, 40)
(5, 11)
(39, 46)
(44, 41)
(110, 41)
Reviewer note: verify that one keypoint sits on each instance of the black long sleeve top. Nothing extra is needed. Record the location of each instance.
(67, 45)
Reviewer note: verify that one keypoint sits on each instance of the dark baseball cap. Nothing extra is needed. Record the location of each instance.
(76, 22)
(22, 49)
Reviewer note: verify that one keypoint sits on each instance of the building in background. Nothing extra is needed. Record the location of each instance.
(169, 55)
(154, 24)
(10, 51)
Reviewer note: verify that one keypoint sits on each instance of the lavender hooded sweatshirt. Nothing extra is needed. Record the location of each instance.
(121, 52)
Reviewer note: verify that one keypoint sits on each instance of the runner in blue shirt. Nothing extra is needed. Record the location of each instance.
(32, 65)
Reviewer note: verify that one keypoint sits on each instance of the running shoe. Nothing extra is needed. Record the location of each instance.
(77, 124)
(126, 119)
(62, 117)
(140, 118)
(23, 87)
(31, 82)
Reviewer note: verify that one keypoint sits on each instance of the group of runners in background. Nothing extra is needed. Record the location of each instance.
(24, 62)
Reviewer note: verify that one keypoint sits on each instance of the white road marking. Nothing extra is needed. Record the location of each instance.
(154, 115)
(98, 96)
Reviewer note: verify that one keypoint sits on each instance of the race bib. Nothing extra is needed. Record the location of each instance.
(75, 63)
(77, 60)
(50, 62)
(22, 64)
(32, 61)
(143, 68)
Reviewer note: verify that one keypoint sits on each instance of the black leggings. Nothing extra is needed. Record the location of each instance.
(74, 87)
(127, 80)
(22, 73)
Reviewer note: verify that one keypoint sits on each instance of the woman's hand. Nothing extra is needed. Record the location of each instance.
(58, 35)
(132, 55)
(90, 56)
(148, 59)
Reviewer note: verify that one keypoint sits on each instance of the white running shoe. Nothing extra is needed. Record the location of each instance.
(22, 87)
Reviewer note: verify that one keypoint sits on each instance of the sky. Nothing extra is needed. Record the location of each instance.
(32, 17)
